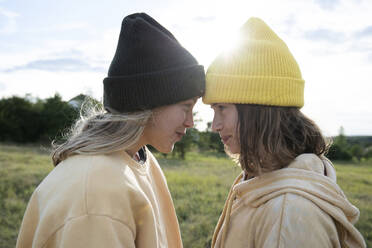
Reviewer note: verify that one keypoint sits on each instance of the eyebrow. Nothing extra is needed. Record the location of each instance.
(191, 103)
(188, 104)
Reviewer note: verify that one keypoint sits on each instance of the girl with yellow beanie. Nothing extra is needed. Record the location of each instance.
(286, 195)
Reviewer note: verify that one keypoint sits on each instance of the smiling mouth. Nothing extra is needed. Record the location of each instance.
(225, 139)
(180, 135)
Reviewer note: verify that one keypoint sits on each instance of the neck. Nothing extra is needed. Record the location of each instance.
(133, 149)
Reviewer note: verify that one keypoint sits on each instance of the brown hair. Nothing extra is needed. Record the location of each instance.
(271, 137)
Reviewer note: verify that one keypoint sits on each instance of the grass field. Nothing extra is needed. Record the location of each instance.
(198, 185)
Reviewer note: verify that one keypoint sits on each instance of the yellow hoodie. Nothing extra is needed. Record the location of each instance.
(298, 206)
(101, 201)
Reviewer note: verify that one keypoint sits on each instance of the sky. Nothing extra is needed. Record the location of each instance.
(67, 46)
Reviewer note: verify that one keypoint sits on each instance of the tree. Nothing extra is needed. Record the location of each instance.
(339, 149)
(368, 152)
(31, 119)
(19, 120)
(184, 145)
(341, 138)
(215, 143)
(191, 139)
(210, 140)
(357, 151)
(57, 116)
(337, 152)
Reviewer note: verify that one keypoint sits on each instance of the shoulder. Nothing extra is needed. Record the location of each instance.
(80, 169)
(293, 209)
(292, 220)
(95, 183)
(100, 186)
(113, 180)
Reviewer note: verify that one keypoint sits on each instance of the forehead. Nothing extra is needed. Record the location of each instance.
(190, 101)
(213, 105)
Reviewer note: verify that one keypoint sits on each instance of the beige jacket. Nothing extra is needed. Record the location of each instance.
(101, 201)
(296, 206)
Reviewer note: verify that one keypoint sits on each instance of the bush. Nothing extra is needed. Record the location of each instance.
(19, 120)
(25, 120)
(337, 152)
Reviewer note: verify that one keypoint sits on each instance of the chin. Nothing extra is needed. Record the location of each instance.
(165, 149)
(231, 150)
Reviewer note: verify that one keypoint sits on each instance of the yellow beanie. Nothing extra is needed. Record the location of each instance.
(261, 70)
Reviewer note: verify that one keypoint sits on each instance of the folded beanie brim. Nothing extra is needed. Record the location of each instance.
(271, 91)
(148, 90)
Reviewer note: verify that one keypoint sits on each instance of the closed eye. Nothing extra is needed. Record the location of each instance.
(187, 107)
(218, 107)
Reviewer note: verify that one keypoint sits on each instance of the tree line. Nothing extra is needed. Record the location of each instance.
(28, 120)
(33, 120)
(357, 148)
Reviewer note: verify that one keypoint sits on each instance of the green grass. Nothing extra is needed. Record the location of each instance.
(199, 186)
(21, 170)
(356, 182)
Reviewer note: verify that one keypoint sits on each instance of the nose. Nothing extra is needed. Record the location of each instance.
(216, 124)
(189, 121)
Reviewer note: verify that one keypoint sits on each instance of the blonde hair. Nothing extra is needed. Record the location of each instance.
(100, 132)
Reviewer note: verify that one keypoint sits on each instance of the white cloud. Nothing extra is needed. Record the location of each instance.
(204, 18)
(44, 84)
(328, 4)
(8, 20)
(8, 13)
(329, 39)
(59, 27)
(2, 86)
(325, 35)
(57, 65)
(366, 32)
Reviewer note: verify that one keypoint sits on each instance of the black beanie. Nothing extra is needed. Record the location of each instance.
(150, 68)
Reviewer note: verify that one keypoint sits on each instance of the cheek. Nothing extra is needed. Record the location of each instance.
(175, 120)
(161, 132)
(171, 118)
(166, 126)
(236, 145)
(231, 122)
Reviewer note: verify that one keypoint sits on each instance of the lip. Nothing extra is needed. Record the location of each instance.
(225, 138)
(180, 135)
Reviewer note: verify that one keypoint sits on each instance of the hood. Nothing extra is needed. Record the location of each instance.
(309, 176)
